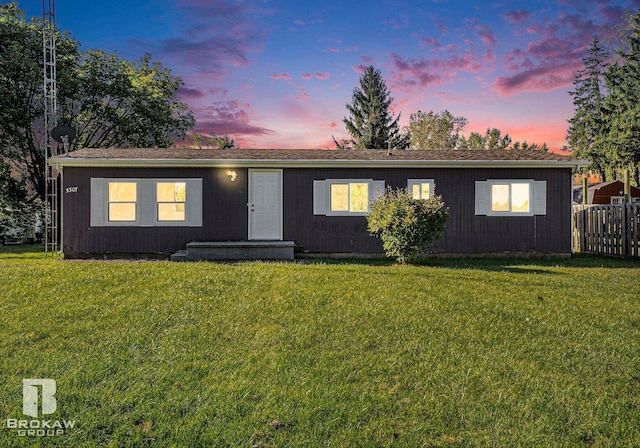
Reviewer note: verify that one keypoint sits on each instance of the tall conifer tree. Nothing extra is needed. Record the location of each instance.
(370, 124)
(623, 103)
(588, 126)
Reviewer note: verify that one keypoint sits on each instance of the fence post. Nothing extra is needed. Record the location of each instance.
(624, 230)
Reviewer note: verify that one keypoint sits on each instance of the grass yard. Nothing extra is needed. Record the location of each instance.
(346, 354)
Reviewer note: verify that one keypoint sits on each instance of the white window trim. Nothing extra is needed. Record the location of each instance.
(412, 182)
(146, 203)
(537, 205)
(510, 182)
(322, 195)
(185, 202)
(330, 182)
(617, 200)
(107, 202)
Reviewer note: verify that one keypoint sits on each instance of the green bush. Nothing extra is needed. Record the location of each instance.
(406, 225)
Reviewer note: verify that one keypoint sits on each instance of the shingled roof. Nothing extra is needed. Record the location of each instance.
(306, 157)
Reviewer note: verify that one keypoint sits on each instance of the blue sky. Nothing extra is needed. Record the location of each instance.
(277, 74)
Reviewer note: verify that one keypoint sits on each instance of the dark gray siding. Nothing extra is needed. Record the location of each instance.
(224, 213)
(225, 216)
(466, 233)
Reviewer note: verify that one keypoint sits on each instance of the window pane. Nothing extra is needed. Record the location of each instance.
(425, 191)
(520, 198)
(415, 191)
(339, 198)
(122, 192)
(499, 198)
(359, 197)
(171, 191)
(171, 212)
(121, 211)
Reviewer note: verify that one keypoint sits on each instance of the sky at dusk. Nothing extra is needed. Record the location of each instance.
(277, 74)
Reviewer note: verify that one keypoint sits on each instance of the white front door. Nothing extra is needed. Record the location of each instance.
(265, 204)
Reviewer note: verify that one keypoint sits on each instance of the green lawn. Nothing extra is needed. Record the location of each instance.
(349, 354)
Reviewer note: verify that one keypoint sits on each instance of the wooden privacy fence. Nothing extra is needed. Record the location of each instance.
(607, 229)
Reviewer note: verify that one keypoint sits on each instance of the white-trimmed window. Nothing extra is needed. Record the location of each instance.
(146, 202)
(420, 188)
(122, 201)
(511, 197)
(345, 197)
(172, 201)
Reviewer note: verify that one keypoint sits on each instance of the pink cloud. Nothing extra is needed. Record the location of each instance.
(186, 93)
(220, 35)
(541, 79)
(426, 72)
(302, 95)
(432, 42)
(359, 68)
(333, 49)
(398, 24)
(413, 72)
(284, 76)
(298, 22)
(484, 32)
(306, 76)
(227, 118)
(613, 14)
(550, 60)
(323, 76)
(517, 17)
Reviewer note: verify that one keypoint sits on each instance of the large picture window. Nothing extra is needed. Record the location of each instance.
(146, 202)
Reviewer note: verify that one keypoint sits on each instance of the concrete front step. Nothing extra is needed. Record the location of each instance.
(236, 250)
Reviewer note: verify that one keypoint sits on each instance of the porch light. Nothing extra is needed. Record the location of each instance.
(232, 175)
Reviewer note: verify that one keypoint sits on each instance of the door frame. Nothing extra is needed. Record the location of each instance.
(280, 186)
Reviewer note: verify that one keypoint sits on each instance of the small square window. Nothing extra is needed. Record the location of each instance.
(420, 188)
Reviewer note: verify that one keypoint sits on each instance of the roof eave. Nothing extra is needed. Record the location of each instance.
(320, 163)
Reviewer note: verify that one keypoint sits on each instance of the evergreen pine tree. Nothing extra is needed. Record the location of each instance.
(623, 104)
(587, 133)
(370, 124)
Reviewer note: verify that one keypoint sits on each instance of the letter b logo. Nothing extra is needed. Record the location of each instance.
(30, 396)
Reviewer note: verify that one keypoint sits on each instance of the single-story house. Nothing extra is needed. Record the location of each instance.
(128, 202)
(611, 192)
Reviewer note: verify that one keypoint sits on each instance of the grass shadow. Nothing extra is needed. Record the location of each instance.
(513, 265)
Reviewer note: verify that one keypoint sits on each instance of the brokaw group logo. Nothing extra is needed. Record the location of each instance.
(33, 407)
(30, 396)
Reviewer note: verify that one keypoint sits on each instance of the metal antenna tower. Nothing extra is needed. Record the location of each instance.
(50, 122)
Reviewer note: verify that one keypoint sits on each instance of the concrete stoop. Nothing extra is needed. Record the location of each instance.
(236, 250)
